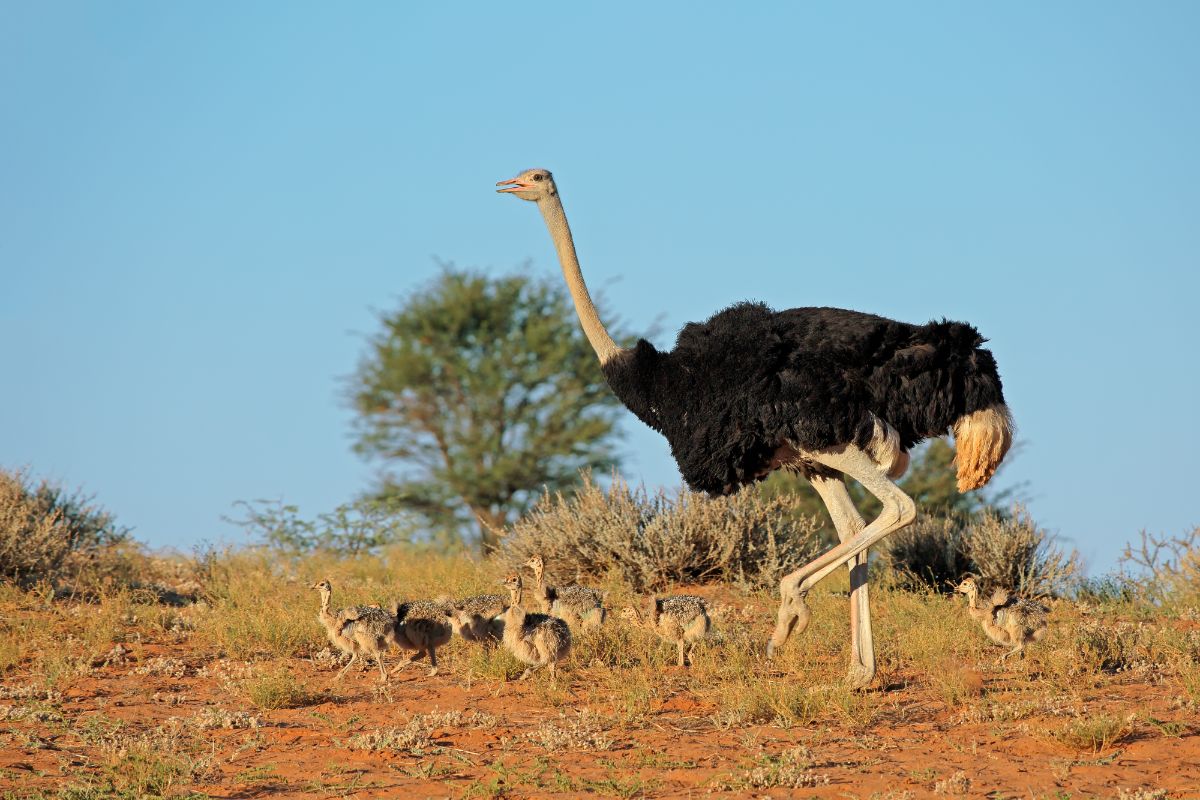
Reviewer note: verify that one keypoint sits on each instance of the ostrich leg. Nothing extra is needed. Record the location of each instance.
(848, 523)
(898, 511)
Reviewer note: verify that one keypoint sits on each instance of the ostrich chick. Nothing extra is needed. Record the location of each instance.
(1006, 621)
(534, 639)
(478, 618)
(578, 605)
(356, 630)
(682, 620)
(422, 627)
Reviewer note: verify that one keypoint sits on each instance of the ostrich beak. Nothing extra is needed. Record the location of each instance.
(513, 185)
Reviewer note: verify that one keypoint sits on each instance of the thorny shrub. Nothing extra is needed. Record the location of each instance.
(1165, 571)
(47, 533)
(1007, 550)
(651, 541)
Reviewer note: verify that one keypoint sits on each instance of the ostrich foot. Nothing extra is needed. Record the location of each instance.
(859, 675)
(794, 616)
(1016, 651)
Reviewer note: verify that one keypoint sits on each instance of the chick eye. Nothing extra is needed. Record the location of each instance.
(537, 177)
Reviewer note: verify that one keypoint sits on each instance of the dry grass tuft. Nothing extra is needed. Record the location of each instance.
(221, 718)
(414, 738)
(791, 769)
(1097, 733)
(957, 785)
(275, 687)
(582, 732)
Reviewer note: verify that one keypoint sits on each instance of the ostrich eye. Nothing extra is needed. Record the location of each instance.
(537, 177)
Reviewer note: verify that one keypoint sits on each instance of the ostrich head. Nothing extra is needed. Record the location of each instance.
(457, 616)
(536, 564)
(514, 585)
(532, 184)
(323, 587)
(968, 586)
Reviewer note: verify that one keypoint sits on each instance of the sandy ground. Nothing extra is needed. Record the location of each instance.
(533, 739)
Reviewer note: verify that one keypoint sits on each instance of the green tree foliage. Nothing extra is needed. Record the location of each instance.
(479, 393)
(351, 529)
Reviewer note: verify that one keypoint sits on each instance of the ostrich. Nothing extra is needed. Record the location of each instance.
(681, 619)
(578, 605)
(825, 392)
(1006, 620)
(534, 639)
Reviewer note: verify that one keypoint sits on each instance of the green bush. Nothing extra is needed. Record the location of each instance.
(652, 541)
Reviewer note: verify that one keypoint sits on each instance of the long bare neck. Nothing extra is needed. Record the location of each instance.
(589, 319)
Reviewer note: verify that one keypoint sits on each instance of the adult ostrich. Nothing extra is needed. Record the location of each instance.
(823, 391)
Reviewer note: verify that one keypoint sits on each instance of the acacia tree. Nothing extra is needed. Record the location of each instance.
(478, 393)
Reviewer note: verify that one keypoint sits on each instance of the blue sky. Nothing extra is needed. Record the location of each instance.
(202, 205)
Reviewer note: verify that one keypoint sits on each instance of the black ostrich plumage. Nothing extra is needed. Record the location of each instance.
(750, 379)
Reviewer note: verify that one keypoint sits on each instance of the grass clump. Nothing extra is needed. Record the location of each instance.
(1096, 733)
(273, 688)
(157, 763)
(253, 609)
(650, 542)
